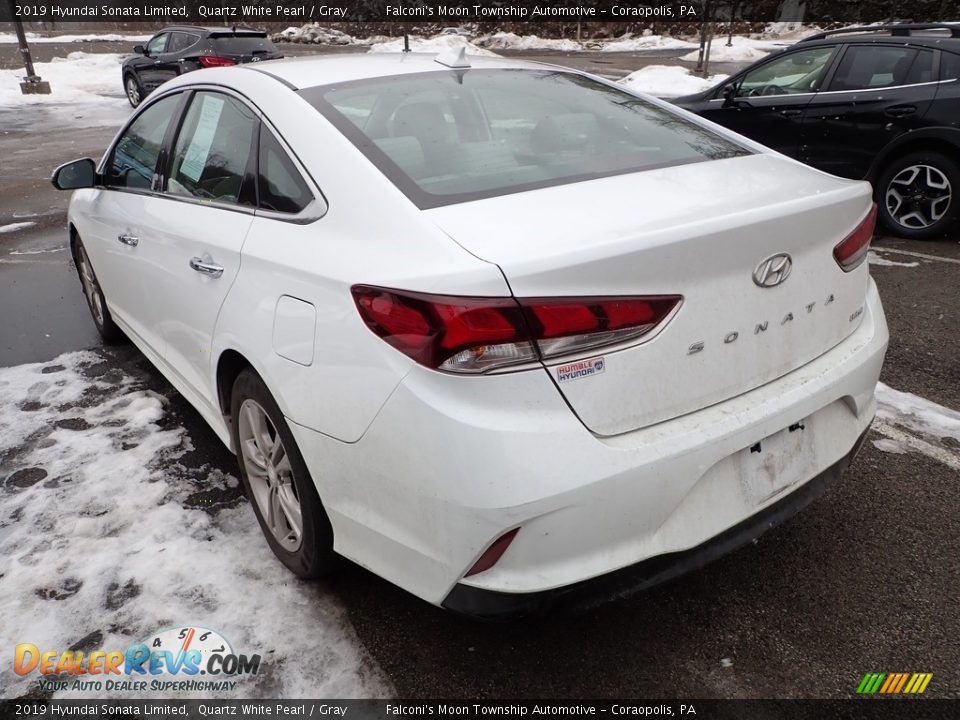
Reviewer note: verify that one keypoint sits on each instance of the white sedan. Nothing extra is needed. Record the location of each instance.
(488, 328)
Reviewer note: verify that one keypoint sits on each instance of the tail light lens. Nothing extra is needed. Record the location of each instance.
(475, 335)
(209, 61)
(853, 249)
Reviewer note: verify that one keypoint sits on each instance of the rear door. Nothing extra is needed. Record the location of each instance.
(878, 92)
(180, 46)
(198, 227)
(768, 100)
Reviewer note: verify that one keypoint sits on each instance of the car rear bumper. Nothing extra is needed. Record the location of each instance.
(621, 584)
(452, 463)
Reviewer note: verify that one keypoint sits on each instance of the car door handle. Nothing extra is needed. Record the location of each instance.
(205, 267)
(900, 111)
(130, 240)
(790, 112)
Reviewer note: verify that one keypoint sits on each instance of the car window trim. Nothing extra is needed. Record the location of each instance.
(849, 92)
(934, 69)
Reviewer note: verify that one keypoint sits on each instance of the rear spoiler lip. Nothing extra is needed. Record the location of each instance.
(238, 33)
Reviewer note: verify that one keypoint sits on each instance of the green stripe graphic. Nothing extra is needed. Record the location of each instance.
(863, 683)
(876, 683)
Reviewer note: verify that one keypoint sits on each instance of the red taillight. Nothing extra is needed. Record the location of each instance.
(209, 61)
(493, 553)
(473, 335)
(852, 251)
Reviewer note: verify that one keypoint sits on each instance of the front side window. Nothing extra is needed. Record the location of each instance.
(868, 67)
(795, 72)
(134, 158)
(211, 158)
(446, 137)
(157, 45)
(279, 184)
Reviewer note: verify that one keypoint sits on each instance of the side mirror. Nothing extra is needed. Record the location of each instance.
(73, 175)
(139, 49)
(729, 93)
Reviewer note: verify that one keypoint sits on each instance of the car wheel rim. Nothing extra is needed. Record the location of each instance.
(918, 196)
(91, 289)
(133, 92)
(270, 475)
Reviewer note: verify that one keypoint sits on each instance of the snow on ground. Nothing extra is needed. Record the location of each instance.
(102, 545)
(512, 41)
(875, 259)
(317, 35)
(13, 227)
(435, 44)
(628, 43)
(81, 77)
(8, 38)
(742, 49)
(917, 414)
(668, 81)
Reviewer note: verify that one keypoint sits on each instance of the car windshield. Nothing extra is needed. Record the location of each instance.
(447, 137)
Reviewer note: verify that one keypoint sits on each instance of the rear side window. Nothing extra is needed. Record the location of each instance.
(243, 45)
(949, 66)
(869, 67)
(445, 137)
(180, 41)
(134, 157)
(279, 184)
(211, 159)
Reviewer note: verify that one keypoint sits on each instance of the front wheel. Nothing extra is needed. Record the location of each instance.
(917, 195)
(96, 300)
(278, 483)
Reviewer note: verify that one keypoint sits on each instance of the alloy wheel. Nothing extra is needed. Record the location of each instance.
(133, 91)
(91, 289)
(270, 475)
(918, 196)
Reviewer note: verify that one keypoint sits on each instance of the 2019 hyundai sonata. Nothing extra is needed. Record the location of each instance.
(491, 329)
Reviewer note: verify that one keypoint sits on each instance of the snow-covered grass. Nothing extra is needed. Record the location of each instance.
(917, 414)
(8, 38)
(13, 227)
(435, 44)
(79, 78)
(100, 540)
(628, 43)
(668, 81)
(512, 41)
(742, 49)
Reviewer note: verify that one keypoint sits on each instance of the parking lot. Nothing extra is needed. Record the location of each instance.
(864, 580)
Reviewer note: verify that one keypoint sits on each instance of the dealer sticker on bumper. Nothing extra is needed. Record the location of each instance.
(581, 369)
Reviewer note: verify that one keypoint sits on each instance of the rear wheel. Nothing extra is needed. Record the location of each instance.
(917, 195)
(277, 482)
(96, 301)
(133, 89)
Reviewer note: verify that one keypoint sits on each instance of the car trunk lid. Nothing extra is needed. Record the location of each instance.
(701, 231)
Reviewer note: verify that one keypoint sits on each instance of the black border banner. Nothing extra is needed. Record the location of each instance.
(458, 11)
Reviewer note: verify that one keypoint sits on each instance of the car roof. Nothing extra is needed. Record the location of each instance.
(222, 29)
(924, 35)
(313, 70)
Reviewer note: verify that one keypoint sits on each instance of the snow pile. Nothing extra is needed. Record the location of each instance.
(742, 49)
(668, 81)
(628, 43)
(11, 38)
(81, 77)
(105, 539)
(435, 44)
(13, 227)
(512, 41)
(315, 34)
(917, 414)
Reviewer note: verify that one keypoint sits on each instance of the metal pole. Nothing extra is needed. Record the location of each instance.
(32, 84)
(733, 12)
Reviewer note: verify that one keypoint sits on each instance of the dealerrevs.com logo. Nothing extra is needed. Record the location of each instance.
(182, 659)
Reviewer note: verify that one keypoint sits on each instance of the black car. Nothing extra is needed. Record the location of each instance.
(176, 50)
(878, 103)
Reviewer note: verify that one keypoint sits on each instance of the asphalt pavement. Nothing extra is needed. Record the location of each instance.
(863, 580)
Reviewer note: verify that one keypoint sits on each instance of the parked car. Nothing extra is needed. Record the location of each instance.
(880, 103)
(181, 49)
(498, 332)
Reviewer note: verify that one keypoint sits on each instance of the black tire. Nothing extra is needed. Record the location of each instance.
(910, 204)
(133, 89)
(96, 302)
(314, 556)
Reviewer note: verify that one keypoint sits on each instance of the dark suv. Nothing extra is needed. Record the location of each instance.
(176, 50)
(878, 103)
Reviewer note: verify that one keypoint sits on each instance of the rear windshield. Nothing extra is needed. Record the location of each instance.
(448, 137)
(243, 44)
